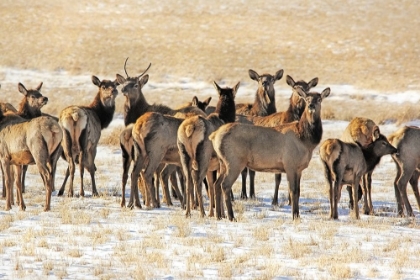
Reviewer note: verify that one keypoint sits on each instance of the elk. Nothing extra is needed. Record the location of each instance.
(29, 108)
(203, 105)
(407, 161)
(82, 127)
(293, 113)
(347, 163)
(32, 102)
(26, 142)
(361, 131)
(287, 148)
(264, 105)
(135, 106)
(195, 149)
(265, 102)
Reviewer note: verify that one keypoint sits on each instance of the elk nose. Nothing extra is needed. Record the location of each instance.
(45, 99)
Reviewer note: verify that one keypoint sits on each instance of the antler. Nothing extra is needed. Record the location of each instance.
(125, 64)
(150, 64)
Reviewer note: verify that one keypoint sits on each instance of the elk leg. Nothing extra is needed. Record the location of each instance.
(166, 174)
(63, 186)
(398, 197)
(355, 196)
(414, 181)
(294, 190)
(24, 169)
(218, 193)
(244, 174)
(368, 187)
(7, 180)
(277, 180)
(18, 181)
(407, 172)
(134, 200)
(251, 184)
(211, 178)
(82, 171)
(126, 158)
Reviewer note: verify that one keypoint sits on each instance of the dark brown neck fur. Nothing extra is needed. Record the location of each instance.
(139, 107)
(105, 114)
(25, 111)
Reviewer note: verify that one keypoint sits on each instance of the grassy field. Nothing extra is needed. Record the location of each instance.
(366, 51)
(369, 45)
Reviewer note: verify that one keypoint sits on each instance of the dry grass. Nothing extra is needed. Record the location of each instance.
(361, 44)
(368, 45)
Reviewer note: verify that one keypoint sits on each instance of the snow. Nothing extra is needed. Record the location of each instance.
(94, 238)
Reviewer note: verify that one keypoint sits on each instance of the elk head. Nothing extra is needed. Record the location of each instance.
(107, 91)
(33, 97)
(295, 99)
(131, 86)
(266, 84)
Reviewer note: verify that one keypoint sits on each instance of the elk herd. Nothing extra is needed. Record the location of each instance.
(197, 143)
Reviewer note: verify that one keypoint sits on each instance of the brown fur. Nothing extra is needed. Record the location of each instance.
(347, 163)
(7, 108)
(360, 130)
(265, 102)
(264, 105)
(154, 138)
(29, 142)
(196, 151)
(32, 102)
(407, 161)
(203, 105)
(136, 106)
(288, 149)
(82, 127)
(293, 113)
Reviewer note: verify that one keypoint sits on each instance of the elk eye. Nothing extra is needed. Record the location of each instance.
(136, 86)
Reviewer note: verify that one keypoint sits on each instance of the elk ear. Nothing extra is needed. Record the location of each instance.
(325, 93)
(116, 83)
(120, 79)
(216, 86)
(38, 88)
(144, 80)
(312, 83)
(376, 132)
(207, 101)
(235, 89)
(96, 81)
(194, 101)
(22, 89)
(279, 75)
(290, 81)
(253, 75)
